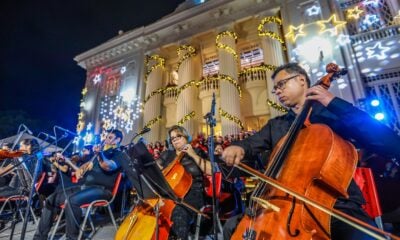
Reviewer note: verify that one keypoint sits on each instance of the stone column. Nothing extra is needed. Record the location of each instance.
(273, 55)
(187, 97)
(229, 95)
(152, 106)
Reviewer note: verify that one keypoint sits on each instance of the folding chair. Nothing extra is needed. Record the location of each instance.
(90, 209)
(365, 181)
(22, 198)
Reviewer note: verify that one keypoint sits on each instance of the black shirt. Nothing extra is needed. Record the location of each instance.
(345, 120)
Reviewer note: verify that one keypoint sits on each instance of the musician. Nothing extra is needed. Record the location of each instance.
(22, 179)
(195, 163)
(292, 87)
(98, 175)
(5, 180)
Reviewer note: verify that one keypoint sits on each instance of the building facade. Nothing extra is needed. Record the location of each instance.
(167, 72)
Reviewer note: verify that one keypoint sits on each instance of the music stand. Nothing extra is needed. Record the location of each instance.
(151, 182)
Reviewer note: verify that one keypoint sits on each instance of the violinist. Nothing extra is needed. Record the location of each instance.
(98, 177)
(22, 179)
(195, 164)
(5, 180)
(292, 87)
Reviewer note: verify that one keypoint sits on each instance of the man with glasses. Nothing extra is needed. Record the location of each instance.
(292, 87)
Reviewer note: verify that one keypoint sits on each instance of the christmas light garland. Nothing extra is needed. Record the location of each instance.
(230, 118)
(276, 106)
(160, 62)
(262, 67)
(224, 46)
(273, 35)
(153, 121)
(157, 91)
(187, 117)
(189, 52)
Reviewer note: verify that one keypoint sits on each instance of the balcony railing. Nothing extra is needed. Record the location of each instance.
(375, 35)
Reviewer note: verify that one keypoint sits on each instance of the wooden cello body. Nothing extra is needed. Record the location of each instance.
(142, 222)
(312, 161)
(322, 181)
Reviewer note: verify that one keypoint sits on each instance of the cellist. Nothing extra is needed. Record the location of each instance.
(292, 87)
(196, 165)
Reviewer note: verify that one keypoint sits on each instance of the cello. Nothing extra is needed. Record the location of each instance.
(142, 222)
(309, 169)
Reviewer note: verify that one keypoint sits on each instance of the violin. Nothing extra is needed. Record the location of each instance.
(4, 154)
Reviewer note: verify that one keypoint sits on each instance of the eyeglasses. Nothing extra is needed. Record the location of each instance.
(175, 137)
(282, 83)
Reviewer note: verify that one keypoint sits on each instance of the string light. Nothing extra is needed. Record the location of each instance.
(377, 51)
(314, 10)
(189, 52)
(276, 106)
(331, 21)
(152, 122)
(224, 46)
(97, 79)
(159, 62)
(354, 13)
(295, 32)
(231, 118)
(80, 126)
(273, 35)
(187, 117)
(84, 91)
(262, 67)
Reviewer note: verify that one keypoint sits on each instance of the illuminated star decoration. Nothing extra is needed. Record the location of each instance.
(123, 70)
(97, 79)
(343, 39)
(370, 19)
(377, 51)
(295, 32)
(314, 10)
(84, 91)
(371, 2)
(331, 21)
(89, 126)
(354, 13)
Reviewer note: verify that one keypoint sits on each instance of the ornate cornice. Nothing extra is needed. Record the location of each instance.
(172, 28)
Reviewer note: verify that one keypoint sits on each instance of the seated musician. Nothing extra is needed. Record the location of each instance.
(196, 165)
(292, 87)
(22, 181)
(5, 180)
(98, 175)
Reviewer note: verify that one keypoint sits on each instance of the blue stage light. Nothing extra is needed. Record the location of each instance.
(375, 102)
(379, 116)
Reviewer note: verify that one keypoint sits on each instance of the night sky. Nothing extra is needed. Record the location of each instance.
(39, 39)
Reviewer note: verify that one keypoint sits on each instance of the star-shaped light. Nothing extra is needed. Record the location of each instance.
(370, 19)
(295, 32)
(314, 10)
(84, 91)
(89, 126)
(80, 115)
(123, 70)
(343, 39)
(97, 79)
(331, 21)
(377, 51)
(354, 13)
(371, 2)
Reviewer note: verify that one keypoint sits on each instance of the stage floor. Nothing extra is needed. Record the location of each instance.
(105, 232)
